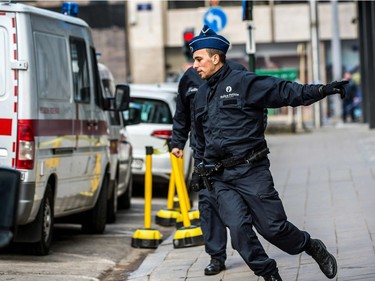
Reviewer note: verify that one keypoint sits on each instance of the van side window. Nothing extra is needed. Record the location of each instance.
(97, 83)
(80, 68)
(52, 66)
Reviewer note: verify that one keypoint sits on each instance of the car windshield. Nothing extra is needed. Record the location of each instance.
(152, 111)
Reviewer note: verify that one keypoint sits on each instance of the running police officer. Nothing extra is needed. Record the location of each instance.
(213, 228)
(230, 146)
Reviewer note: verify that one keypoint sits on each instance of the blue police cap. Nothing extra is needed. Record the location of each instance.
(210, 40)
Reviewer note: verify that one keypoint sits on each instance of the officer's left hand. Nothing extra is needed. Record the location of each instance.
(335, 87)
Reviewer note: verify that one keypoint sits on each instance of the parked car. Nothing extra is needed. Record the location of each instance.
(121, 180)
(156, 104)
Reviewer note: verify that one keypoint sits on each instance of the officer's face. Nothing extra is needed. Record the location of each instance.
(205, 65)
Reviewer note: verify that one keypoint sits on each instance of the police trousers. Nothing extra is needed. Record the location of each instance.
(213, 228)
(247, 198)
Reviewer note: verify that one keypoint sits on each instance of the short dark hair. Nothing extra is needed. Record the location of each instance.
(221, 54)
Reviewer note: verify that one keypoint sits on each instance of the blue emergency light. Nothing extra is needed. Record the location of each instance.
(70, 9)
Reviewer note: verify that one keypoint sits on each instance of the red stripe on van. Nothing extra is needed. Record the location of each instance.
(15, 74)
(15, 107)
(61, 127)
(13, 22)
(15, 55)
(5, 127)
(16, 91)
(2, 13)
(14, 38)
(14, 147)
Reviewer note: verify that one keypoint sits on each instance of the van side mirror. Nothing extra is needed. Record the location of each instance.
(9, 189)
(131, 116)
(122, 97)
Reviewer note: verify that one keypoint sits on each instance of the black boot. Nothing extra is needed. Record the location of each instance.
(273, 277)
(215, 267)
(325, 260)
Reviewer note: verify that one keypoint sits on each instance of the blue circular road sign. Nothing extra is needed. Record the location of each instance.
(215, 18)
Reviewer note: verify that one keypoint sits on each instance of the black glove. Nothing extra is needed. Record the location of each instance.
(334, 87)
(196, 182)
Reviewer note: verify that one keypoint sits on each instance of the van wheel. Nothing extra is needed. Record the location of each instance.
(125, 199)
(45, 218)
(112, 204)
(94, 220)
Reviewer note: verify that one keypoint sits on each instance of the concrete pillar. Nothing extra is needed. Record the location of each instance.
(146, 37)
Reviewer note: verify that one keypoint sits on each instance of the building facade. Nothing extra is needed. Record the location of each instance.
(282, 30)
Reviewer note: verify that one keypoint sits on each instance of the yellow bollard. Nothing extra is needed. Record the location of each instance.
(192, 213)
(168, 216)
(188, 235)
(147, 237)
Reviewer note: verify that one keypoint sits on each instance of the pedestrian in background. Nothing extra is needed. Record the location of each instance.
(230, 147)
(348, 105)
(213, 228)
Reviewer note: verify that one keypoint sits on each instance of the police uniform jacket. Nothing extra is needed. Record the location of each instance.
(229, 108)
(187, 88)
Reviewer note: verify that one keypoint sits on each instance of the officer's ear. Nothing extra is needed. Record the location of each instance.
(215, 59)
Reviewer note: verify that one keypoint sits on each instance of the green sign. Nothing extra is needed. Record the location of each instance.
(290, 74)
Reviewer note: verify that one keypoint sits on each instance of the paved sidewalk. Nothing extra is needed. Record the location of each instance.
(326, 179)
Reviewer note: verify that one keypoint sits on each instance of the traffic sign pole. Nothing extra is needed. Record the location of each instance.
(247, 15)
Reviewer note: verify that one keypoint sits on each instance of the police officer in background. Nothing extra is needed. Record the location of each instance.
(213, 228)
(230, 147)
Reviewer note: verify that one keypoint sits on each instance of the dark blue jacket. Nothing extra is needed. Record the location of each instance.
(187, 88)
(229, 111)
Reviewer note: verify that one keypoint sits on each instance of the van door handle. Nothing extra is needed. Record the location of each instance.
(64, 150)
(95, 123)
(89, 125)
(92, 125)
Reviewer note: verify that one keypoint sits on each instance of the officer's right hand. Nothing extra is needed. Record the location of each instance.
(177, 152)
(335, 87)
(196, 182)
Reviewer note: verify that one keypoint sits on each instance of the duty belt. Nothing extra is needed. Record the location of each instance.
(252, 157)
(206, 170)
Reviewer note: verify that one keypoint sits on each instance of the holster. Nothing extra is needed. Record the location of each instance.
(205, 171)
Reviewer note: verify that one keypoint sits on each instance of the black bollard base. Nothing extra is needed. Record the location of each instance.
(188, 237)
(146, 238)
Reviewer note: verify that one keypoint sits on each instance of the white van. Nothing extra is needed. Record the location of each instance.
(52, 125)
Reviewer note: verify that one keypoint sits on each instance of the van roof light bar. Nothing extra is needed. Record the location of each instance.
(70, 9)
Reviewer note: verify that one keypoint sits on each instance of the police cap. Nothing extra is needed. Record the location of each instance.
(208, 39)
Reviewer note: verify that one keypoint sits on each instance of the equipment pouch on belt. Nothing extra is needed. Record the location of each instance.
(205, 171)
